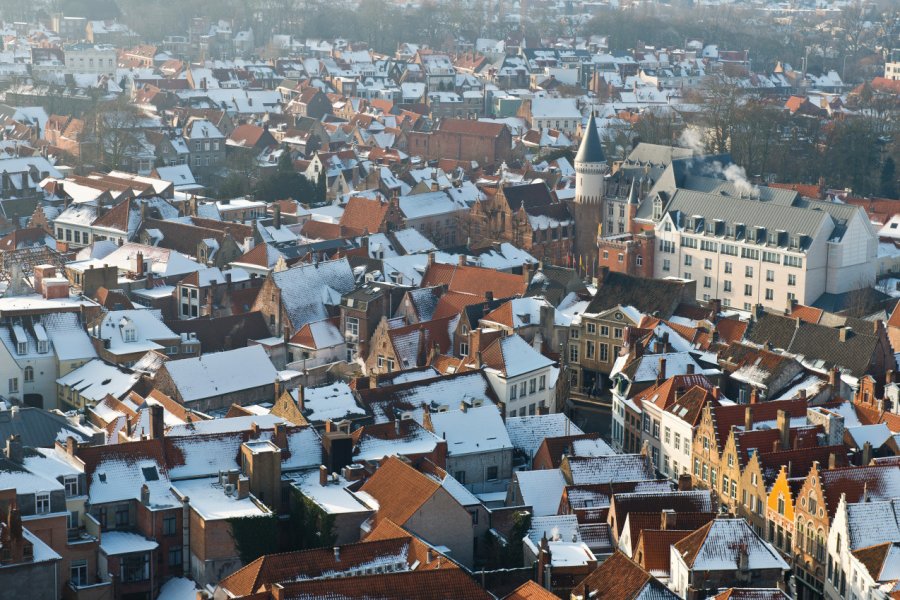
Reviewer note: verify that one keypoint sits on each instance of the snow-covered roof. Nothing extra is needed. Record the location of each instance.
(113, 543)
(333, 498)
(718, 551)
(95, 379)
(473, 430)
(542, 490)
(209, 499)
(146, 326)
(528, 433)
(334, 402)
(119, 477)
(306, 289)
(221, 373)
(876, 435)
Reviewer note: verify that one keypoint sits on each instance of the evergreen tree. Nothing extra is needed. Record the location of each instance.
(321, 188)
(888, 187)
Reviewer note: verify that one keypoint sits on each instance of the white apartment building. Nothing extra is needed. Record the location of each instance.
(91, 59)
(764, 247)
(857, 526)
(892, 66)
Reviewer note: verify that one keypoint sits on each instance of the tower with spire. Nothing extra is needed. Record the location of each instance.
(590, 190)
(590, 166)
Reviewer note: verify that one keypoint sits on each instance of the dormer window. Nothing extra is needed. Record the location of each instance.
(43, 347)
(129, 334)
(21, 348)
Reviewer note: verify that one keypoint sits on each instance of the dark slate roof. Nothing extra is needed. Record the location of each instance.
(591, 149)
(649, 296)
(37, 428)
(528, 195)
(816, 342)
(224, 333)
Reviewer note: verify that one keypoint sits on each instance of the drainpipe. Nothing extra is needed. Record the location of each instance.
(186, 537)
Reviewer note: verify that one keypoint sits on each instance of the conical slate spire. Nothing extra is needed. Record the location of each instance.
(591, 150)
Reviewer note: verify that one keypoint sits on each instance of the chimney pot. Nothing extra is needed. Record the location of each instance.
(323, 475)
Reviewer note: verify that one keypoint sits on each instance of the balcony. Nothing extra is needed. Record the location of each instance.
(102, 590)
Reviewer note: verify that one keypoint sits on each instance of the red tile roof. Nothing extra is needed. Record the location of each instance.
(475, 280)
(530, 591)
(443, 584)
(399, 489)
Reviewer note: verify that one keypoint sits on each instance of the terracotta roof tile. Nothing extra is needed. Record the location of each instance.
(399, 489)
(475, 280)
(530, 591)
(619, 578)
(442, 584)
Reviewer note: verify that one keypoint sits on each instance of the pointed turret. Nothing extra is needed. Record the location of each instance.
(591, 149)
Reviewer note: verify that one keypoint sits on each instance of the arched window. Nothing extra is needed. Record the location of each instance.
(29, 374)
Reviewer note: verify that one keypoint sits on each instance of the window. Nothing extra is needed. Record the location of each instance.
(574, 333)
(604, 331)
(42, 503)
(175, 556)
(122, 515)
(542, 382)
(688, 260)
(352, 326)
(730, 460)
(748, 271)
(13, 385)
(71, 484)
(464, 349)
(592, 328)
(811, 505)
(707, 282)
(667, 434)
(728, 267)
(750, 253)
(617, 333)
(771, 257)
(780, 504)
(170, 524)
(639, 260)
(655, 429)
(793, 261)
(726, 285)
(748, 289)
(792, 279)
(29, 374)
(78, 572)
(532, 385)
(697, 467)
(460, 476)
(604, 352)
(677, 441)
(707, 263)
(666, 264)
(688, 276)
(573, 353)
(135, 567)
(589, 350)
(523, 389)
(492, 473)
(646, 423)
(770, 294)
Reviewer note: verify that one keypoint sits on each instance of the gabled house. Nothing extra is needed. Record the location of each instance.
(422, 506)
(725, 553)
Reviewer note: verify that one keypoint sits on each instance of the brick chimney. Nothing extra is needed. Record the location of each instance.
(157, 422)
(279, 437)
(754, 396)
(668, 519)
(323, 475)
(784, 426)
(748, 418)
(14, 451)
(661, 375)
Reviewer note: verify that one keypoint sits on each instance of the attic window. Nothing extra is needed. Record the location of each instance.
(150, 474)
(101, 477)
